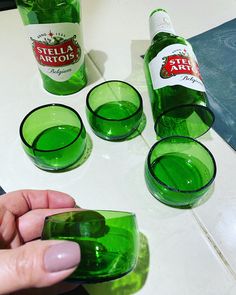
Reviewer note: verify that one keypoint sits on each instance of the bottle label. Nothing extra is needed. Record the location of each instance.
(58, 49)
(176, 64)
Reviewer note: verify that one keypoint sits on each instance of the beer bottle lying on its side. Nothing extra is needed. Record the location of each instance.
(176, 90)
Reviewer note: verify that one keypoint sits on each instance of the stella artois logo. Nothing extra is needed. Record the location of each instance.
(178, 64)
(54, 50)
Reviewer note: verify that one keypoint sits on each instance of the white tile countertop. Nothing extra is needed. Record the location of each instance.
(184, 252)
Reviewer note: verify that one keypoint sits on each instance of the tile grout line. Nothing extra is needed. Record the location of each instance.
(95, 65)
(145, 141)
(214, 245)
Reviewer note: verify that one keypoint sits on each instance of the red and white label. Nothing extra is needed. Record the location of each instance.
(176, 65)
(58, 55)
(58, 49)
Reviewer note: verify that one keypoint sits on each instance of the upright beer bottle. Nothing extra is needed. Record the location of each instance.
(176, 89)
(54, 28)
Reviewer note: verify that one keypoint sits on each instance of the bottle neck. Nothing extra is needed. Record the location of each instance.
(160, 22)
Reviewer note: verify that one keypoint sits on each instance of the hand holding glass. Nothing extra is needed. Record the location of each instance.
(108, 241)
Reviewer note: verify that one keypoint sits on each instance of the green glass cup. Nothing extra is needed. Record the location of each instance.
(114, 110)
(179, 171)
(53, 136)
(108, 241)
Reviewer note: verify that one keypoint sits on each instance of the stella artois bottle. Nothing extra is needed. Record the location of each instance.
(54, 29)
(176, 89)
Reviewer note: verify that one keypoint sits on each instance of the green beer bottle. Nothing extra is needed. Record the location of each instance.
(176, 90)
(54, 28)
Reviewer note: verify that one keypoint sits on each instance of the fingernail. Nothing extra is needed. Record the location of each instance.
(62, 256)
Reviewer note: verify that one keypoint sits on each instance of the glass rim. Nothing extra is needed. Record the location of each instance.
(172, 188)
(47, 218)
(140, 108)
(206, 108)
(46, 106)
(156, 10)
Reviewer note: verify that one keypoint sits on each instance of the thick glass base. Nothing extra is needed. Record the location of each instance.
(185, 120)
(77, 82)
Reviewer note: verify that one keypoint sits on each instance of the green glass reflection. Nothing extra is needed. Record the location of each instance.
(108, 242)
(53, 136)
(179, 170)
(114, 110)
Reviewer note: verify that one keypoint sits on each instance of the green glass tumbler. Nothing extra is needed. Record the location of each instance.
(108, 241)
(114, 110)
(179, 171)
(53, 136)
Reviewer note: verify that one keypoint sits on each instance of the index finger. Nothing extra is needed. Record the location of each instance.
(31, 224)
(22, 201)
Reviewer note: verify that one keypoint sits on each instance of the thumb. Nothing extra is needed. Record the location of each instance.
(37, 264)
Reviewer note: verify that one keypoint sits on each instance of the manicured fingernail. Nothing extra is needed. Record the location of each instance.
(62, 256)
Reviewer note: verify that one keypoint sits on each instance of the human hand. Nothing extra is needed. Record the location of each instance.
(24, 261)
